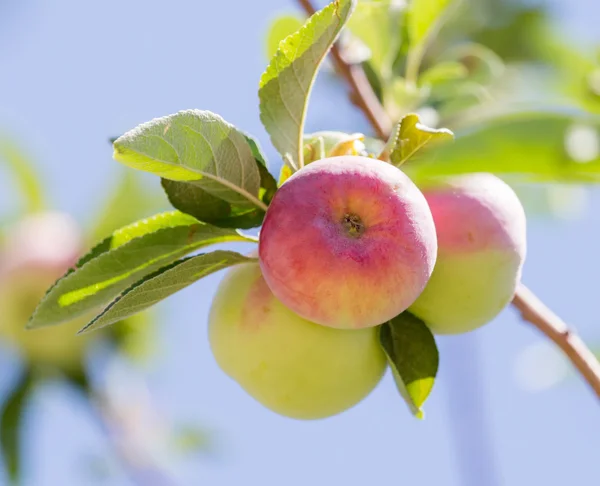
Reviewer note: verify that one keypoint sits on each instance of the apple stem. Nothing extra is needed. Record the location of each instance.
(531, 308)
(353, 224)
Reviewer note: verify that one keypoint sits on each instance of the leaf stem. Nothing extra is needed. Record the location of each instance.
(530, 307)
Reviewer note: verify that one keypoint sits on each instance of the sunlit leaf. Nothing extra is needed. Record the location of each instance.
(423, 17)
(194, 200)
(199, 147)
(412, 136)
(413, 357)
(286, 84)
(161, 284)
(279, 28)
(123, 259)
(444, 72)
(378, 24)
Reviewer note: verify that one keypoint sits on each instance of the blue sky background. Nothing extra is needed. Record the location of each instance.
(74, 73)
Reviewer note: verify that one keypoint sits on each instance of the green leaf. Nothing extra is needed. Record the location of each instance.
(198, 147)
(279, 29)
(10, 425)
(411, 136)
(413, 357)
(161, 284)
(192, 199)
(423, 18)
(268, 184)
(123, 259)
(483, 65)
(24, 175)
(286, 84)
(444, 72)
(542, 146)
(406, 96)
(378, 24)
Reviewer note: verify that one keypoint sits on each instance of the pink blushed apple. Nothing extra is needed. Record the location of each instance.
(348, 242)
(292, 366)
(480, 226)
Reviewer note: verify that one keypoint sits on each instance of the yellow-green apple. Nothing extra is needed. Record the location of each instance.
(480, 225)
(292, 366)
(348, 242)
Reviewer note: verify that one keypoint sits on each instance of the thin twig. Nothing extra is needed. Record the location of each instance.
(537, 313)
(361, 93)
(531, 308)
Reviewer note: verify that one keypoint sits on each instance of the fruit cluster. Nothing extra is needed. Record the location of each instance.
(348, 243)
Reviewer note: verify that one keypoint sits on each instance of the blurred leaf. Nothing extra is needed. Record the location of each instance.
(129, 201)
(79, 380)
(198, 147)
(279, 29)
(286, 84)
(190, 439)
(413, 357)
(423, 17)
(574, 72)
(444, 72)
(481, 63)
(514, 37)
(24, 175)
(378, 23)
(10, 425)
(407, 97)
(192, 199)
(540, 145)
(122, 259)
(159, 285)
(412, 136)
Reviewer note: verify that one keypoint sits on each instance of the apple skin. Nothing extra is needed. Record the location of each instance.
(348, 242)
(294, 367)
(481, 232)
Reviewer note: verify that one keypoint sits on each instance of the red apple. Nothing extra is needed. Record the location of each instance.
(348, 242)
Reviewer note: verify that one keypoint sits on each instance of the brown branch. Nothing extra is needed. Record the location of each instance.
(361, 94)
(530, 307)
(537, 313)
